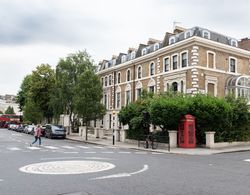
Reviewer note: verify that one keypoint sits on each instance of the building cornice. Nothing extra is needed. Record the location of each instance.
(192, 40)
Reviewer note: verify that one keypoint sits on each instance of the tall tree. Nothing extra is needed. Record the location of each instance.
(42, 86)
(67, 73)
(9, 110)
(23, 93)
(88, 95)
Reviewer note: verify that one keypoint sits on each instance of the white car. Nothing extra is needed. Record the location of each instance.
(30, 129)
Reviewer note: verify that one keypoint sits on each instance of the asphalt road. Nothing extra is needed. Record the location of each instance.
(68, 167)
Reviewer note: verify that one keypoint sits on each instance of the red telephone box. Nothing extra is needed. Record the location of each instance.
(187, 132)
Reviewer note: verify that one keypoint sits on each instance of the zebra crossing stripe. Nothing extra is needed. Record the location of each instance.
(34, 148)
(51, 147)
(14, 149)
(90, 152)
(99, 147)
(247, 160)
(124, 152)
(107, 152)
(84, 147)
(68, 147)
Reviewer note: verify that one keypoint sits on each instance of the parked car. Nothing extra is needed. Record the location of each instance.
(53, 131)
(29, 129)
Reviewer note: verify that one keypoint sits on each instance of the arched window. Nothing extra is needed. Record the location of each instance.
(152, 69)
(119, 77)
(128, 75)
(171, 40)
(139, 72)
(106, 81)
(182, 87)
(175, 86)
(110, 80)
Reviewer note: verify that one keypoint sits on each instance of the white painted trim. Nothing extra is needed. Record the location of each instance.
(212, 80)
(156, 45)
(138, 71)
(203, 34)
(214, 57)
(172, 61)
(185, 51)
(149, 69)
(117, 77)
(170, 40)
(169, 64)
(186, 32)
(236, 61)
(144, 51)
(110, 84)
(129, 75)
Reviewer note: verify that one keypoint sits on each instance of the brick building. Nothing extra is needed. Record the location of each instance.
(191, 61)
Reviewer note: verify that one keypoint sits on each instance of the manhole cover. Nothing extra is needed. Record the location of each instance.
(67, 167)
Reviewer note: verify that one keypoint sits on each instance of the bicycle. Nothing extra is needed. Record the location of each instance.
(150, 141)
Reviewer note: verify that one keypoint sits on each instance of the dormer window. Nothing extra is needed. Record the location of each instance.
(234, 43)
(171, 40)
(107, 65)
(133, 55)
(124, 58)
(156, 46)
(187, 34)
(114, 61)
(144, 51)
(206, 34)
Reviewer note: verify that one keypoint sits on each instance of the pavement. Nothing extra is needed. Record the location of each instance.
(188, 151)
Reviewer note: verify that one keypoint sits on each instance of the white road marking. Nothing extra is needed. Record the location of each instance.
(247, 160)
(84, 147)
(14, 148)
(99, 147)
(67, 167)
(1, 180)
(68, 147)
(140, 152)
(107, 152)
(124, 152)
(33, 148)
(145, 167)
(156, 153)
(89, 152)
(51, 147)
(70, 152)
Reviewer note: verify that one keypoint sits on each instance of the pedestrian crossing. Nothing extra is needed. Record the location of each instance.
(66, 149)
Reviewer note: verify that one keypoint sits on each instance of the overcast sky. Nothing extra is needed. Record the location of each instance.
(33, 32)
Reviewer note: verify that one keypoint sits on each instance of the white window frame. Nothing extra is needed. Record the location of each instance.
(211, 80)
(138, 86)
(110, 80)
(144, 51)
(127, 88)
(124, 58)
(214, 61)
(186, 51)
(232, 41)
(229, 64)
(106, 81)
(208, 34)
(138, 71)
(172, 61)
(151, 83)
(169, 64)
(172, 40)
(156, 46)
(129, 75)
(186, 33)
(118, 91)
(152, 62)
(117, 77)
(133, 53)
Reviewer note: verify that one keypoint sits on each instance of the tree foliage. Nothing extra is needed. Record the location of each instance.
(9, 110)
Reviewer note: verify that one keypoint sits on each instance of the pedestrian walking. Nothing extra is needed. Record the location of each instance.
(37, 134)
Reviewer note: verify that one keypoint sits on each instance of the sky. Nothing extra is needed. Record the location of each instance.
(33, 32)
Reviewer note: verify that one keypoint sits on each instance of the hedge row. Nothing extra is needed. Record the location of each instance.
(228, 117)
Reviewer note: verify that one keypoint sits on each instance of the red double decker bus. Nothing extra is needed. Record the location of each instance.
(9, 118)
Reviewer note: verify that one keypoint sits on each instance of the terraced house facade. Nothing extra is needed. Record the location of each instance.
(191, 61)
